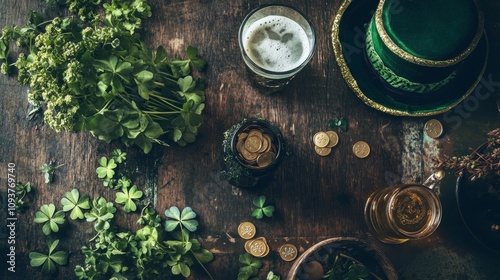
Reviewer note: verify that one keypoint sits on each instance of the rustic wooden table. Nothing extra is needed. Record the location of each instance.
(315, 197)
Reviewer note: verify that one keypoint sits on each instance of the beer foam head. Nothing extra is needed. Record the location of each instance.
(276, 43)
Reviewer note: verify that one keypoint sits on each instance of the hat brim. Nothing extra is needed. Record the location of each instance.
(348, 38)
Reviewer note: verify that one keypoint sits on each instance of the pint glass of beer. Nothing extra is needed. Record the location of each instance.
(276, 42)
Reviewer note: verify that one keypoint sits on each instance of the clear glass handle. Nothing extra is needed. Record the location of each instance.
(434, 180)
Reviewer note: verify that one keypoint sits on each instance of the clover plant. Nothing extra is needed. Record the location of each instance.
(50, 219)
(48, 262)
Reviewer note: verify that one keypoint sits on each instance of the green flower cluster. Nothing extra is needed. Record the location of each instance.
(101, 77)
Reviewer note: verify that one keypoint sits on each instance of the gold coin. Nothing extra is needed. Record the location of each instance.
(321, 139)
(246, 230)
(361, 149)
(270, 146)
(288, 252)
(247, 245)
(265, 159)
(265, 145)
(255, 132)
(248, 155)
(322, 151)
(253, 143)
(258, 247)
(242, 136)
(433, 128)
(333, 137)
(266, 252)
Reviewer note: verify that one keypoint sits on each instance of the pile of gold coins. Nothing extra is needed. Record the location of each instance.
(324, 142)
(255, 147)
(259, 248)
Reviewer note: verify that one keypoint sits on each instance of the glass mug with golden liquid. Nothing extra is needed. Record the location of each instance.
(397, 214)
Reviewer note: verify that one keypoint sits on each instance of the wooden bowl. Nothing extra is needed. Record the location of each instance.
(367, 254)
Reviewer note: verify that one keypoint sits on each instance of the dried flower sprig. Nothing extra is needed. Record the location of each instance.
(481, 163)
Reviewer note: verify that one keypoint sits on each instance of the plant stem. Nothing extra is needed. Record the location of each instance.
(202, 266)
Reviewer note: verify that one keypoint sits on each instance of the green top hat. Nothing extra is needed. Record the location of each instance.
(416, 46)
(437, 57)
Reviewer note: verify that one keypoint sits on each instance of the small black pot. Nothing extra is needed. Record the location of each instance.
(239, 173)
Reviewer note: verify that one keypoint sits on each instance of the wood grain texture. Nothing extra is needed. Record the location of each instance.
(315, 197)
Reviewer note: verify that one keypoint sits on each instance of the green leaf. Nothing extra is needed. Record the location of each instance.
(262, 210)
(49, 218)
(37, 259)
(259, 201)
(127, 197)
(268, 211)
(119, 156)
(197, 62)
(74, 203)
(144, 76)
(48, 262)
(106, 168)
(184, 219)
(186, 83)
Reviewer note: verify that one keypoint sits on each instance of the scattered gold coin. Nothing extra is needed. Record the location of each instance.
(333, 138)
(321, 139)
(322, 151)
(257, 247)
(246, 230)
(288, 252)
(433, 128)
(361, 149)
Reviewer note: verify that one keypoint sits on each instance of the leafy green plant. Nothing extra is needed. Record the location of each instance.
(262, 210)
(97, 74)
(76, 204)
(48, 172)
(250, 267)
(183, 220)
(119, 156)
(106, 168)
(21, 191)
(50, 219)
(150, 253)
(48, 262)
(272, 276)
(127, 196)
(101, 213)
(338, 123)
(348, 268)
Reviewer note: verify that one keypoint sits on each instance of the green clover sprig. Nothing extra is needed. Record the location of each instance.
(50, 219)
(48, 262)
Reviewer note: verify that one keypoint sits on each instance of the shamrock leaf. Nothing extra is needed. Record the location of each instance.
(262, 210)
(50, 218)
(338, 123)
(184, 219)
(127, 197)
(250, 266)
(119, 156)
(192, 54)
(48, 262)
(101, 213)
(106, 168)
(74, 203)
